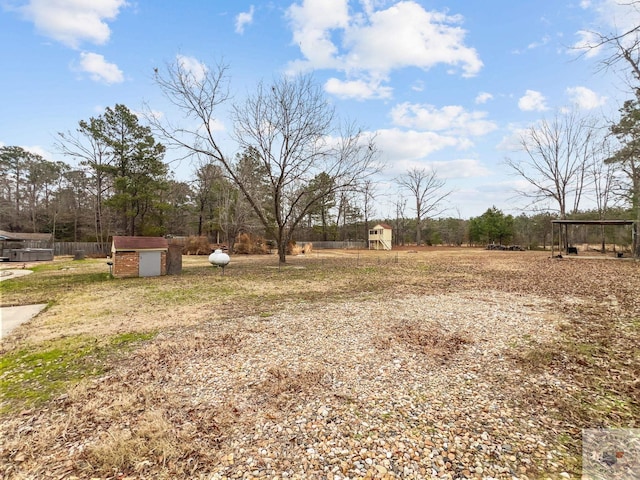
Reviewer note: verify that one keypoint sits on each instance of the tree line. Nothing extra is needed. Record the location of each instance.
(300, 172)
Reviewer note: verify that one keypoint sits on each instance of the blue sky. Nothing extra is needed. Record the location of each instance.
(443, 84)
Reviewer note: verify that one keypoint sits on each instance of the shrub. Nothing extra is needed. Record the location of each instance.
(295, 249)
(197, 246)
(248, 244)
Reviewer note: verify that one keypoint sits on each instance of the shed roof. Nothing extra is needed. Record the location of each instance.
(140, 243)
(24, 236)
(594, 222)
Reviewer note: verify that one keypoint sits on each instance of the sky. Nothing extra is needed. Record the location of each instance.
(445, 85)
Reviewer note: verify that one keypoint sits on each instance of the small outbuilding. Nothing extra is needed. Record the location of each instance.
(380, 237)
(139, 256)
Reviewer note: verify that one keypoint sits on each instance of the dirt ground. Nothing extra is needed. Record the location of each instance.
(414, 363)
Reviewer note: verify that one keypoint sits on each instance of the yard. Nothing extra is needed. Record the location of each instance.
(455, 363)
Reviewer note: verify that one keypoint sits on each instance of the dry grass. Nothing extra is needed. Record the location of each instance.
(283, 381)
(197, 246)
(427, 338)
(180, 403)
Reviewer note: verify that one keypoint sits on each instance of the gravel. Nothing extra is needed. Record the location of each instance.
(335, 392)
(414, 386)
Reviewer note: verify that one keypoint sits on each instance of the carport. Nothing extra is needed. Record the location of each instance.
(634, 231)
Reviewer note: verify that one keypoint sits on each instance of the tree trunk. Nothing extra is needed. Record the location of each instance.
(282, 251)
(636, 232)
(324, 225)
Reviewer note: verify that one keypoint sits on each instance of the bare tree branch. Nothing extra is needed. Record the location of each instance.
(289, 129)
(427, 191)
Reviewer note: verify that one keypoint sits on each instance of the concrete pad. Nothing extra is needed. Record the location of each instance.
(12, 317)
(9, 274)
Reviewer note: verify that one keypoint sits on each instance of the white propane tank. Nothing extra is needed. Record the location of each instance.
(219, 259)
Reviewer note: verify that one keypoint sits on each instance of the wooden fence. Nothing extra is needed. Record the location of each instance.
(336, 245)
(90, 249)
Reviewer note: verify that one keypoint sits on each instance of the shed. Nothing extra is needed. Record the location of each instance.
(380, 237)
(139, 256)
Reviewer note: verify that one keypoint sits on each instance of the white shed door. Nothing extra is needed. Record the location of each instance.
(149, 264)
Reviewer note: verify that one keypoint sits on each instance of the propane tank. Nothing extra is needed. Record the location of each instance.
(219, 259)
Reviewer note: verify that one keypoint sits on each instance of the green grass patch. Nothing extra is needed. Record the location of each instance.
(34, 375)
(67, 265)
(38, 288)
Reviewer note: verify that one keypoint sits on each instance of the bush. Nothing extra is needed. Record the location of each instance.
(295, 249)
(247, 244)
(197, 246)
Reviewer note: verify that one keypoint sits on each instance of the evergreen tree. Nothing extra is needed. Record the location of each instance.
(627, 158)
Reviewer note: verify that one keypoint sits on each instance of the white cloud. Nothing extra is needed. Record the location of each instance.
(407, 35)
(312, 24)
(357, 89)
(585, 98)
(460, 168)
(447, 169)
(38, 150)
(193, 67)
(613, 17)
(542, 42)
(402, 145)
(243, 19)
(588, 44)
(512, 141)
(532, 101)
(99, 69)
(483, 97)
(616, 15)
(72, 22)
(216, 125)
(368, 45)
(418, 86)
(451, 118)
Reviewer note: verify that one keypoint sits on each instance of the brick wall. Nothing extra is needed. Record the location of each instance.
(126, 264)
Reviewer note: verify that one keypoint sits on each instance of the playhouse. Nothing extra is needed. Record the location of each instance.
(380, 237)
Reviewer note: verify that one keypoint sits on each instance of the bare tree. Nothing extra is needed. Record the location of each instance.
(368, 195)
(400, 205)
(290, 127)
(428, 193)
(624, 46)
(557, 155)
(603, 178)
